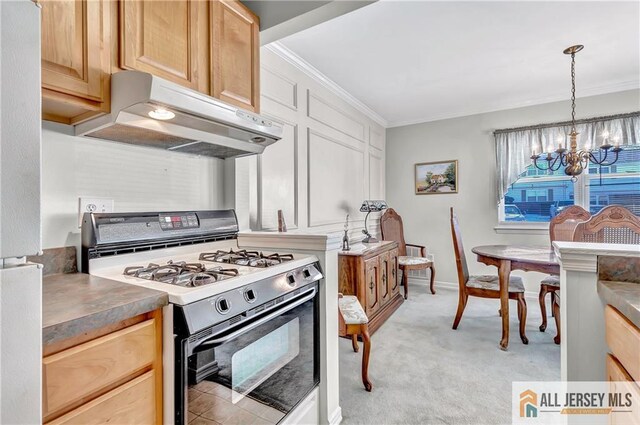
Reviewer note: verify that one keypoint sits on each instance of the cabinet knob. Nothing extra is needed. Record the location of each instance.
(384, 278)
(371, 284)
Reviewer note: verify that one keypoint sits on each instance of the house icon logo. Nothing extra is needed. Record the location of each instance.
(528, 404)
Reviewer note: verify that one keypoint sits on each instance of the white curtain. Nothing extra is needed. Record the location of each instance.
(514, 146)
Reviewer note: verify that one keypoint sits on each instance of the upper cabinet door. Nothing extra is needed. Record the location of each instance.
(75, 54)
(166, 38)
(235, 54)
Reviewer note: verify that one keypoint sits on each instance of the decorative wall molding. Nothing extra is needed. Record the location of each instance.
(358, 135)
(294, 89)
(310, 182)
(304, 66)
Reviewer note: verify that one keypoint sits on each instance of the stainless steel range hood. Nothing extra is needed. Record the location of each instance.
(150, 111)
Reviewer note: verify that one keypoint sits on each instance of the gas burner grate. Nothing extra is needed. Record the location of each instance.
(246, 258)
(181, 273)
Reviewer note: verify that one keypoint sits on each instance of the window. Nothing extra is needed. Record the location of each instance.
(538, 196)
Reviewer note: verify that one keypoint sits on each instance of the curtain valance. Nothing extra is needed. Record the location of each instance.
(515, 145)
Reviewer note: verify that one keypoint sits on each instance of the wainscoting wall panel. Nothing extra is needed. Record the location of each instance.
(330, 159)
(335, 171)
(324, 112)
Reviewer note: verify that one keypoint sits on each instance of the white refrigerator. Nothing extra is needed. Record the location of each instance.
(20, 229)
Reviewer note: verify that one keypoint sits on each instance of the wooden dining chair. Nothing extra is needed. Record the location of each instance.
(613, 224)
(483, 286)
(561, 228)
(392, 230)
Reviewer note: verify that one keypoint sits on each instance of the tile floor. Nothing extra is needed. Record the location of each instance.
(211, 404)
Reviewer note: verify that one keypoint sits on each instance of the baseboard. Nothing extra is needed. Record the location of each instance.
(336, 417)
(454, 286)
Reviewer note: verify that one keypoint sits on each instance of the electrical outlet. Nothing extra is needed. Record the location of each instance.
(101, 205)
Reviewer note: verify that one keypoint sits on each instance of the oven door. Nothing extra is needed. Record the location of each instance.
(259, 372)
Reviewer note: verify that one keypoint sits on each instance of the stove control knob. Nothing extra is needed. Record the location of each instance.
(291, 280)
(250, 295)
(223, 306)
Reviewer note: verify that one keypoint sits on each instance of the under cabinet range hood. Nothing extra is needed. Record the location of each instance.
(150, 111)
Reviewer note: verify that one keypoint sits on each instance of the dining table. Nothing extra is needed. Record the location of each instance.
(515, 257)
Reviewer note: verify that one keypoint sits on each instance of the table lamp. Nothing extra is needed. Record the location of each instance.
(369, 207)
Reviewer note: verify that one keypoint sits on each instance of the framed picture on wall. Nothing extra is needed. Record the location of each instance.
(436, 177)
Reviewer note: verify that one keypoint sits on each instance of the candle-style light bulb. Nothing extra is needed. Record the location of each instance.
(605, 136)
(616, 142)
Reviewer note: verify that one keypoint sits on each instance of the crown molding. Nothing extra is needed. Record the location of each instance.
(288, 55)
(592, 91)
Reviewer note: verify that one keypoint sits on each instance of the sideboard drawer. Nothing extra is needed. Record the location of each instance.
(131, 403)
(75, 373)
(623, 339)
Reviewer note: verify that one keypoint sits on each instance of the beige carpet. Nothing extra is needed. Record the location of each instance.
(423, 372)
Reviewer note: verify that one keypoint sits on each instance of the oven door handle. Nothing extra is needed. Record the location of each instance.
(214, 342)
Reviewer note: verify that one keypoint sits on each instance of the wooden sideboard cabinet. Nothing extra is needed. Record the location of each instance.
(370, 272)
(111, 375)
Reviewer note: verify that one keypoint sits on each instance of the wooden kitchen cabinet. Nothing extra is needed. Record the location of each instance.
(166, 38)
(623, 339)
(111, 375)
(371, 273)
(209, 46)
(235, 54)
(75, 59)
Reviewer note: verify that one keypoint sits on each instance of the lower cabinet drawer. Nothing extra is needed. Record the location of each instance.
(622, 383)
(623, 339)
(72, 375)
(133, 403)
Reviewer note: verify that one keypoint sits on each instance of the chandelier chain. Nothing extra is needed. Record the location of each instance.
(573, 92)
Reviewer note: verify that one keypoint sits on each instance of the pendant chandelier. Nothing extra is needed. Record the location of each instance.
(573, 159)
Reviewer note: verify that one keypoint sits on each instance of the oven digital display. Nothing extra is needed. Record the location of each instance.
(181, 221)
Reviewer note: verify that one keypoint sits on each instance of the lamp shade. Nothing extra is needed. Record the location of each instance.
(373, 206)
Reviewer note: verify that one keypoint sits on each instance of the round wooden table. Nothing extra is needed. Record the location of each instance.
(515, 257)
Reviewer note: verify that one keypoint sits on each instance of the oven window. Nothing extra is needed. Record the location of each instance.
(255, 363)
(259, 376)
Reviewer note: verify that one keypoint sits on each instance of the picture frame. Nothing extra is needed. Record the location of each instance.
(436, 178)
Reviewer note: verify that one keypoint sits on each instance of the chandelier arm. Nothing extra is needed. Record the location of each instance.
(603, 164)
(553, 164)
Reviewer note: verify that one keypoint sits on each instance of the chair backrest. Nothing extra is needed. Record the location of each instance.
(563, 225)
(392, 229)
(613, 224)
(461, 260)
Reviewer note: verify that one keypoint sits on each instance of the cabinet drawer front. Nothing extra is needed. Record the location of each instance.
(623, 338)
(371, 277)
(385, 278)
(131, 403)
(393, 271)
(617, 374)
(78, 372)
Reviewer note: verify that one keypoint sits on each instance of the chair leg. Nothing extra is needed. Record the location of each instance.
(522, 315)
(405, 283)
(365, 356)
(556, 311)
(462, 303)
(553, 301)
(354, 342)
(432, 283)
(543, 307)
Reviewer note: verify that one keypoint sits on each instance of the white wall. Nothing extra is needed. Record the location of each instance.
(137, 178)
(470, 141)
(330, 159)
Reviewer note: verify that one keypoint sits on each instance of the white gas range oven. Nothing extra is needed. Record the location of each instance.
(241, 339)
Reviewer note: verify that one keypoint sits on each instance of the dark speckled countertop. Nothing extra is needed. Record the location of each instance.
(624, 296)
(76, 303)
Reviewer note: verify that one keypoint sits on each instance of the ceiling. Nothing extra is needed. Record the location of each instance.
(417, 61)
